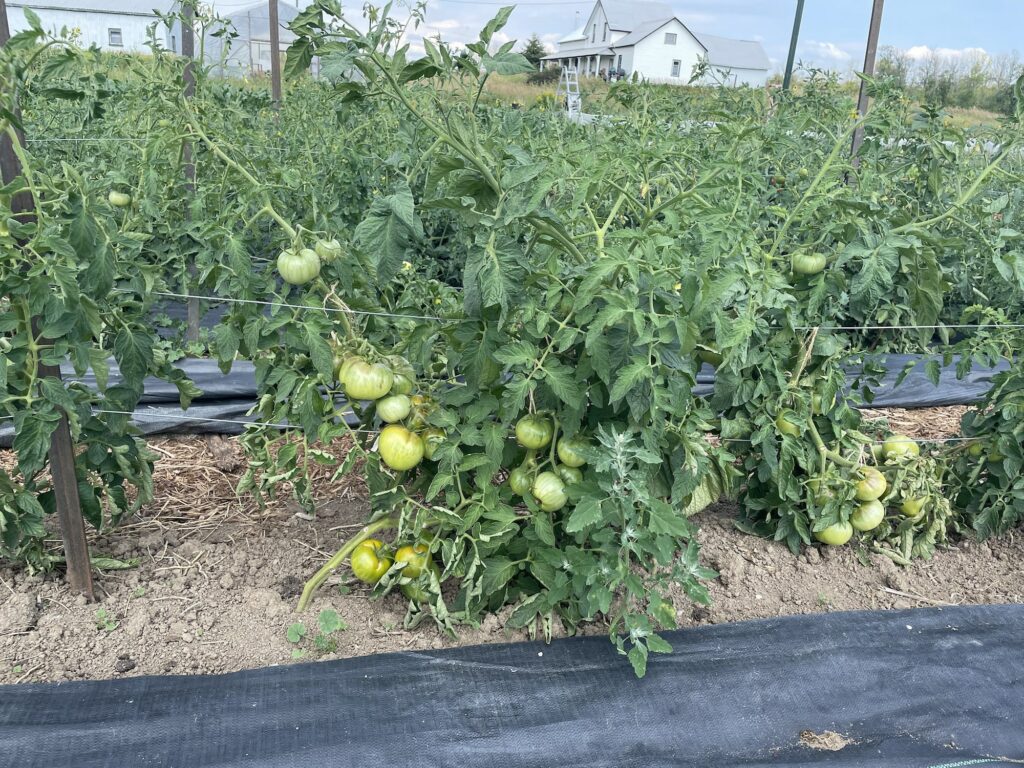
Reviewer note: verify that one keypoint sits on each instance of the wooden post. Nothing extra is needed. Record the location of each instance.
(62, 452)
(869, 69)
(275, 56)
(188, 50)
(792, 45)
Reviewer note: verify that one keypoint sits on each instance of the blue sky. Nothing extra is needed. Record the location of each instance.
(832, 35)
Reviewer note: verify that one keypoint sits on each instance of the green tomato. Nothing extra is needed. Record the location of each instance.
(119, 199)
(298, 267)
(431, 437)
(913, 507)
(367, 563)
(820, 491)
(402, 385)
(868, 516)
(416, 590)
(363, 381)
(976, 449)
(520, 480)
(549, 490)
(785, 425)
(413, 560)
(900, 445)
(808, 263)
(570, 475)
(327, 250)
(569, 451)
(399, 448)
(816, 404)
(872, 484)
(835, 535)
(393, 408)
(533, 431)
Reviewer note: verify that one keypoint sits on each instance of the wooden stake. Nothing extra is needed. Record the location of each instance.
(275, 56)
(870, 54)
(188, 50)
(62, 452)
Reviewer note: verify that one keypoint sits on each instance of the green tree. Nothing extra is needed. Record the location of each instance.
(534, 50)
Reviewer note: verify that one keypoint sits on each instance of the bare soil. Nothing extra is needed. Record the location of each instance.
(218, 578)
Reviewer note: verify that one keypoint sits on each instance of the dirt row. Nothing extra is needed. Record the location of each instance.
(215, 581)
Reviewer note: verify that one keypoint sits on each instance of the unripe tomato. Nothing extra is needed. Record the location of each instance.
(876, 452)
(402, 385)
(820, 491)
(785, 425)
(393, 408)
(995, 455)
(872, 484)
(913, 507)
(520, 481)
(549, 490)
(816, 404)
(533, 431)
(413, 559)
(298, 267)
(399, 448)
(976, 449)
(431, 437)
(119, 199)
(835, 535)
(900, 445)
(415, 590)
(341, 366)
(367, 563)
(570, 475)
(868, 516)
(327, 250)
(569, 451)
(363, 381)
(808, 263)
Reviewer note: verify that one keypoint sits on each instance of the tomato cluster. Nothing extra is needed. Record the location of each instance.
(371, 560)
(546, 479)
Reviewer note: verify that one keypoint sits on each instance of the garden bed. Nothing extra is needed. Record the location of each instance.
(217, 580)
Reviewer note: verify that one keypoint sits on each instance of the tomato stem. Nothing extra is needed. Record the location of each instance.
(321, 576)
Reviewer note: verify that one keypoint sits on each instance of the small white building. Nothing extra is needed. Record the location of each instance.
(112, 25)
(650, 41)
(248, 53)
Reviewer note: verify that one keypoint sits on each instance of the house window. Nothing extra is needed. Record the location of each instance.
(670, 38)
(593, 34)
(114, 38)
(604, 38)
(676, 66)
(174, 44)
(619, 65)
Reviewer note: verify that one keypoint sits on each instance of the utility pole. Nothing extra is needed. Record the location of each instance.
(275, 56)
(62, 451)
(870, 54)
(792, 44)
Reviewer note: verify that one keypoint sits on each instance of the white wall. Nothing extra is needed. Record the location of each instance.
(595, 29)
(652, 58)
(95, 27)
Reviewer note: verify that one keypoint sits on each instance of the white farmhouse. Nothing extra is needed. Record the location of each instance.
(112, 25)
(650, 41)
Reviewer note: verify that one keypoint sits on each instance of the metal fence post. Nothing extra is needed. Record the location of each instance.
(188, 50)
(792, 45)
(275, 56)
(869, 69)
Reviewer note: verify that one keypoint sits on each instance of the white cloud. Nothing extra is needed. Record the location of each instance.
(920, 52)
(825, 52)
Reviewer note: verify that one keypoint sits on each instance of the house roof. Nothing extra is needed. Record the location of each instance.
(736, 54)
(572, 53)
(641, 31)
(625, 16)
(574, 35)
(119, 7)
